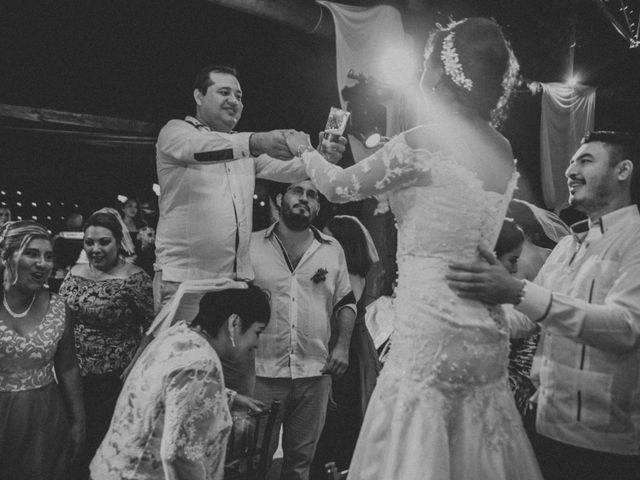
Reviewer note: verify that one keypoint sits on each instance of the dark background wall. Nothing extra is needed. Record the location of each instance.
(137, 59)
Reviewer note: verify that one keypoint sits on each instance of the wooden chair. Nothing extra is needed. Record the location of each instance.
(333, 473)
(248, 445)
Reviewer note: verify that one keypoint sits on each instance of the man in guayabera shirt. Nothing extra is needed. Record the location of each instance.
(586, 301)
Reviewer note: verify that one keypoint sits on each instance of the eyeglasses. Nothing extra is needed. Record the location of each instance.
(299, 191)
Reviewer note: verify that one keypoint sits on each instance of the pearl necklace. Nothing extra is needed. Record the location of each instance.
(14, 314)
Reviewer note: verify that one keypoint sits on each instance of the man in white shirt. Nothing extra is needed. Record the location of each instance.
(586, 299)
(306, 275)
(207, 173)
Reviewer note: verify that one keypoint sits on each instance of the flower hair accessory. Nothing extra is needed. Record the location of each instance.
(451, 63)
(320, 275)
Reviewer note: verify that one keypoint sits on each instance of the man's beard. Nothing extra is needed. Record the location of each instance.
(295, 221)
(598, 199)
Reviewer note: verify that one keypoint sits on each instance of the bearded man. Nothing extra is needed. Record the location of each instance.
(306, 274)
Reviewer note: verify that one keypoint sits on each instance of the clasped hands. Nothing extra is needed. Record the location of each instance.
(486, 280)
(286, 144)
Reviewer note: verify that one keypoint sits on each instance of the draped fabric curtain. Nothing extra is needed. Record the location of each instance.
(362, 34)
(567, 114)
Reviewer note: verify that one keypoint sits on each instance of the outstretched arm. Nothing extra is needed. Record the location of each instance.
(182, 143)
(396, 165)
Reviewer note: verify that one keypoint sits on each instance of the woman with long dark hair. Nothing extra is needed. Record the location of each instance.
(110, 303)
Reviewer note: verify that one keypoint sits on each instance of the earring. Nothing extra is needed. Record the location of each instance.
(233, 342)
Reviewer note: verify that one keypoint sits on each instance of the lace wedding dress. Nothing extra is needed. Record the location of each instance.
(442, 408)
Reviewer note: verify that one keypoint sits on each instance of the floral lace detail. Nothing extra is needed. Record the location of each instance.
(444, 385)
(26, 362)
(394, 166)
(197, 400)
(109, 317)
(173, 405)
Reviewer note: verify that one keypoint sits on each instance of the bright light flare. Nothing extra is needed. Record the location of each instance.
(396, 67)
(121, 198)
(156, 189)
(573, 81)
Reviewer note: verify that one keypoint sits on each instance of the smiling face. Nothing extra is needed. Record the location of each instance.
(101, 248)
(592, 180)
(300, 205)
(34, 265)
(220, 108)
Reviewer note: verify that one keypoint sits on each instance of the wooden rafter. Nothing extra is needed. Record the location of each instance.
(55, 117)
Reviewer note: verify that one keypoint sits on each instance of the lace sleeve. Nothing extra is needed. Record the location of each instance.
(194, 412)
(394, 166)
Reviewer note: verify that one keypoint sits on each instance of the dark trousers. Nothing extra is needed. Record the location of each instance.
(100, 396)
(559, 461)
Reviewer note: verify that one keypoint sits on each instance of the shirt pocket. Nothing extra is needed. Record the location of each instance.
(602, 275)
(594, 398)
(570, 395)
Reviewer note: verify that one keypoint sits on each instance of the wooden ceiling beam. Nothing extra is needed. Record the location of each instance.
(55, 117)
(306, 16)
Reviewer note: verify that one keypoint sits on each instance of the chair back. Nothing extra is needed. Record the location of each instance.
(248, 444)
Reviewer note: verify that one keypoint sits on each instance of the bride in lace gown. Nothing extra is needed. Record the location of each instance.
(442, 408)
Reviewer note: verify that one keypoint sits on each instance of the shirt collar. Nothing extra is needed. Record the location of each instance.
(606, 223)
(198, 124)
(317, 234)
(195, 122)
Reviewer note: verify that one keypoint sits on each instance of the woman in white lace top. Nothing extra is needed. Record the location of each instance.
(172, 418)
(442, 408)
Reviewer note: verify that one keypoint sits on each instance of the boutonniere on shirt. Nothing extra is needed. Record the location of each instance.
(320, 275)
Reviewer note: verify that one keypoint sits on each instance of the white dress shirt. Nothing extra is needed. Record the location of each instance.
(207, 182)
(587, 300)
(295, 343)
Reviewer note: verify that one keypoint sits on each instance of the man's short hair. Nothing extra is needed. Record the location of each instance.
(621, 146)
(203, 78)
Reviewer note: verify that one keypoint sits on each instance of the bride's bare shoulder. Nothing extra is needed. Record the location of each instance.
(422, 137)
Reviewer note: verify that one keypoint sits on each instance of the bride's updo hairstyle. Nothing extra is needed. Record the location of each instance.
(479, 65)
